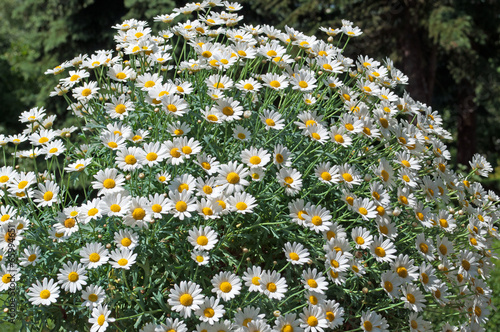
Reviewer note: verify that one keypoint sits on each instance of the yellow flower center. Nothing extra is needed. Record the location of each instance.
(175, 153)
(69, 223)
(93, 297)
(241, 206)
(326, 176)
(45, 294)
(225, 287)
(122, 262)
(360, 240)
(48, 196)
(255, 160)
(186, 299)
(271, 287)
(138, 213)
(130, 159)
(275, 84)
(402, 272)
(312, 283)
(347, 177)
(233, 178)
(293, 256)
(126, 242)
(312, 321)
(181, 206)
(73, 276)
(317, 221)
(209, 312)
(202, 240)
(380, 252)
(151, 156)
(6, 278)
(94, 257)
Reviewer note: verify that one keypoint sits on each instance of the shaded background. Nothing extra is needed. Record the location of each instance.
(449, 50)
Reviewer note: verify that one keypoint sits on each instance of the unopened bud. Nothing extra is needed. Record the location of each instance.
(128, 177)
(365, 290)
(396, 212)
(245, 250)
(368, 177)
(141, 175)
(330, 39)
(276, 313)
(108, 246)
(247, 114)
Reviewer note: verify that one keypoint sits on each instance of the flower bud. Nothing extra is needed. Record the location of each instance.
(141, 176)
(128, 177)
(330, 39)
(396, 212)
(368, 177)
(276, 313)
(247, 114)
(365, 290)
(245, 250)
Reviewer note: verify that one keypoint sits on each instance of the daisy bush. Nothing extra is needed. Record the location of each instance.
(230, 177)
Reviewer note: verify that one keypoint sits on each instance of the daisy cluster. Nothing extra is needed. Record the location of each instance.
(243, 179)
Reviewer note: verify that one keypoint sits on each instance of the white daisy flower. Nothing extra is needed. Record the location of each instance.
(373, 322)
(122, 258)
(93, 296)
(201, 257)
(94, 255)
(272, 120)
(295, 253)
(226, 285)
(185, 298)
(30, 256)
(202, 238)
(314, 281)
(125, 239)
(115, 204)
(109, 181)
(273, 285)
(254, 157)
(313, 319)
(252, 277)
(44, 293)
(242, 203)
(100, 318)
(72, 277)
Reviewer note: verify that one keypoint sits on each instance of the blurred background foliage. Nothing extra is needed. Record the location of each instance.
(448, 48)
